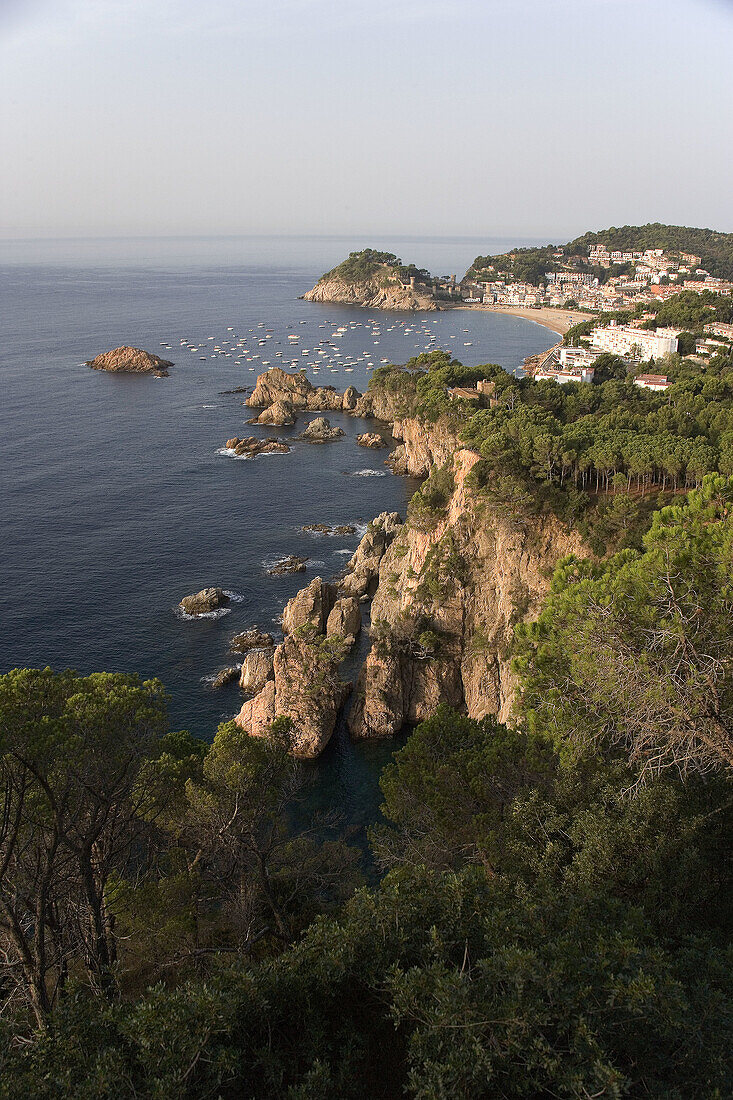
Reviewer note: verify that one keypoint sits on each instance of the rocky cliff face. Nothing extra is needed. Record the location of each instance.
(376, 293)
(447, 588)
(301, 680)
(451, 589)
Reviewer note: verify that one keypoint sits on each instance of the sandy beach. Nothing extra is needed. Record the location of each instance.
(559, 320)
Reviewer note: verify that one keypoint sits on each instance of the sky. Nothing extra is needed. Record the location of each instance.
(537, 118)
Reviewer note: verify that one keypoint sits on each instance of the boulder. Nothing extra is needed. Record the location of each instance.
(311, 606)
(258, 713)
(280, 413)
(326, 398)
(257, 669)
(225, 676)
(205, 601)
(397, 460)
(252, 446)
(251, 639)
(370, 439)
(320, 431)
(324, 529)
(291, 564)
(344, 619)
(350, 399)
(129, 360)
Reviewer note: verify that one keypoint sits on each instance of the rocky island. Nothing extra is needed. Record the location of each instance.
(378, 280)
(129, 360)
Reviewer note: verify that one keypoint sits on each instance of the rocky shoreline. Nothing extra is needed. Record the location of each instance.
(375, 293)
(447, 588)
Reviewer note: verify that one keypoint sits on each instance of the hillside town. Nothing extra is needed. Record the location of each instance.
(603, 281)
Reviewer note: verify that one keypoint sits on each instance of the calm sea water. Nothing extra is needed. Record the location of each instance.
(115, 500)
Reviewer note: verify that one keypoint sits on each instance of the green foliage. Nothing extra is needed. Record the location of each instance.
(429, 502)
(365, 265)
(448, 791)
(691, 311)
(636, 652)
(714, 248)
(522, 265)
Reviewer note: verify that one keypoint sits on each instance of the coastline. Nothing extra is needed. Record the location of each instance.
(558, 320)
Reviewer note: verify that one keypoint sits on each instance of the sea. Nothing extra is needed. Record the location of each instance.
(118, 496)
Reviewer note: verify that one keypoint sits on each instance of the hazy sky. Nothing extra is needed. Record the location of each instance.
(473, 117)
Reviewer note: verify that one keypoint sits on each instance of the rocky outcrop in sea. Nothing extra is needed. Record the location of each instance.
(129, 360)
(320, 624)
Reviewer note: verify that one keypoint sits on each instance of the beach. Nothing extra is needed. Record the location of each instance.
(559, 320)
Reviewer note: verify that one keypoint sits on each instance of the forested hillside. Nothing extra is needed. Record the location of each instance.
(530, 264)
(545, 910)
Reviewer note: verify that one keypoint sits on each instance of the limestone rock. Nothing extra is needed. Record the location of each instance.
(258, 713)
(295, 390)
(374, 293)
(277, 384)
(129, 360)
(251, 446)
(251, 639)
(395, 689)
(397, 461)
(350, 399)
(324, 529)
(370, 439)
(307, 689)
(465, 581)
(311, 606)
(320, 431)
(205, 601)
(257, 669)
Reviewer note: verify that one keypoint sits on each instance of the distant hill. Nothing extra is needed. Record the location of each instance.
(529, 264)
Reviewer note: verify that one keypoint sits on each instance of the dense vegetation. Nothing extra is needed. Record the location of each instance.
(361, 266)
(530, 264)
(553, 916)
(715, 249)
(523, 265)
(549, 908)
(594, 454)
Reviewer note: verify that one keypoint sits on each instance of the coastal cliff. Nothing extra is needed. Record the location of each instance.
(376, 293)
(452, 587)
(448, 587)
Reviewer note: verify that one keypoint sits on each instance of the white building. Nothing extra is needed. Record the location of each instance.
(623, 340)
(656, 382)
(571, 358)
(572, 374)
